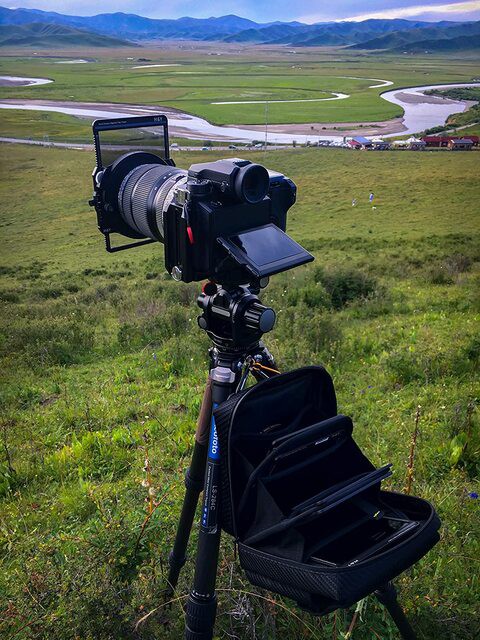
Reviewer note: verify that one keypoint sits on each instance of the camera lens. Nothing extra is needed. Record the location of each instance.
(252, 183)
(144, 196)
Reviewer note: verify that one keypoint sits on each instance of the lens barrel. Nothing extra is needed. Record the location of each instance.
(144, 196)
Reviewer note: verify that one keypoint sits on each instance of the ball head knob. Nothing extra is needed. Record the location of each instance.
(259, 318)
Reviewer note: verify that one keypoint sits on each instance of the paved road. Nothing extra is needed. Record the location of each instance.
(89, 147)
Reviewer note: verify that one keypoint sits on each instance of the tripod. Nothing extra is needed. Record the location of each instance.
(235, 321)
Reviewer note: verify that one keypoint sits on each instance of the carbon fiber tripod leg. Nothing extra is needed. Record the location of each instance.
(194, 479)
(202, 601)
(387, 595)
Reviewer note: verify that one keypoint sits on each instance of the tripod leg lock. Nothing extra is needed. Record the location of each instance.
(176, 563)
(200, 618)
(195, 484)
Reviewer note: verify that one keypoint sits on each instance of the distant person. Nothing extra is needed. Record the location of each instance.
(371, 197)
(354, 202)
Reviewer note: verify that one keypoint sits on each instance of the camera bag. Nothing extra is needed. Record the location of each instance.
(303, 502)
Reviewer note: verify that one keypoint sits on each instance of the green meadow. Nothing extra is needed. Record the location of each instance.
(193, 81)
(102, 368)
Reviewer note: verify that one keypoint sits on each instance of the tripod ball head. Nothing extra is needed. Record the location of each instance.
(234, 316)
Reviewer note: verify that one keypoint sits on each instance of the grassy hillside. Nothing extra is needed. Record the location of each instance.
(54, 36)
(459, 43)
(439, 38)
(102, 366)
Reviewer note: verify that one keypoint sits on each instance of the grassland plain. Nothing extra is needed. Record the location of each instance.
(103, 366)
(211, 74)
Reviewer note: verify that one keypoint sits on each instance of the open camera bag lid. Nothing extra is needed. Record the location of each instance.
(304, 503)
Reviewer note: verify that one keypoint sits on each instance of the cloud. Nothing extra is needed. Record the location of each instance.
(459, 10)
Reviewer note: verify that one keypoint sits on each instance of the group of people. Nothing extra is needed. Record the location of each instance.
(371, 198)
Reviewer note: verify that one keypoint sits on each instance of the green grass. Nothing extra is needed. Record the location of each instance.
(102, 365)
(40, 125)
(253, 74)
(58, 127)
(473, 130)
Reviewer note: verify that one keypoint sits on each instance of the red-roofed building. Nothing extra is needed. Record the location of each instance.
(443, 141)
(360, 142)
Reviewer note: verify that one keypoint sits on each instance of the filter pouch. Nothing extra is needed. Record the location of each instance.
(304, 503)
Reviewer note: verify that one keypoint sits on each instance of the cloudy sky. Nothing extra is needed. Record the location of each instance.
(266, 11)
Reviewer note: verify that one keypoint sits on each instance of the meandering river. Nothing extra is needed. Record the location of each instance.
(420, 112)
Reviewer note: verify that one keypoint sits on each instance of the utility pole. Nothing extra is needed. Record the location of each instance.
(266, 124)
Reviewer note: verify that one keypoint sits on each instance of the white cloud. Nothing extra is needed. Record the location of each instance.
(438, 11)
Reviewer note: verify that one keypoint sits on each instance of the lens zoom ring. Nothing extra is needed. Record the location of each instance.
(125, 193)
(140, 197)
(161, 196)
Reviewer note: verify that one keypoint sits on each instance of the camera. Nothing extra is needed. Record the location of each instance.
(223, 221)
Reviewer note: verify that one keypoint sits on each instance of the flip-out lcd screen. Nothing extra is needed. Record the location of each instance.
(265, 250)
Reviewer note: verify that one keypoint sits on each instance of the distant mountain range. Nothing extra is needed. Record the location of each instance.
(435, 37)
(133, 27)
(329, 34)
(45, 35)
(391, 35)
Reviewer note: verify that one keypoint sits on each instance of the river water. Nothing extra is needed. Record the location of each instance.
(19, 81)
(420, 112)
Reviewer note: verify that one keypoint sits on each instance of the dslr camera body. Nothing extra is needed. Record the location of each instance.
(223, 221)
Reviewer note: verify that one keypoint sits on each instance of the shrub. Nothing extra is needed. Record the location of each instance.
(307, 336)
(154, 329)
(9, 296)
(313, 295)
(345, 285)
(437, 274)
(48, 340)
(48, 292)
(448, 270)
